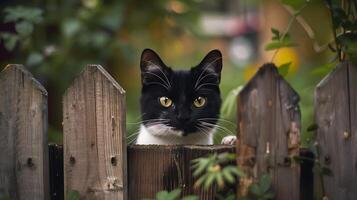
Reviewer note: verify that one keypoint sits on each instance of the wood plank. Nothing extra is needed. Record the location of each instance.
(94, 136)
(23, 136)
(269, 132)
(153, 168)
(335, 115)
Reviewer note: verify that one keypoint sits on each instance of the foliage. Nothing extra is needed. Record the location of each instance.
(211, 170)
(230, 102)
(72, 195)
(24, 20)
(173, 195)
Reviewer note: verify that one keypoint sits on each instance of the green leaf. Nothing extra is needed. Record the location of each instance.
(174, 194)
(34, 58)
(294, 3)
(277, 44)
(162, 195)
(269, 195)
(234, 169)
(72, 195)
(71, 27)
(202, 166)
(299, 159)
(227, 175)
(265, 183)
(210, 178)
(24, 28)
(284, 69)
(324, 69)
(220, 180)
(201, 180)
(312, 127)
(255, 190)
(15, 14)
(10, 40)
(276, 34)
(191, 197)
(228, 106)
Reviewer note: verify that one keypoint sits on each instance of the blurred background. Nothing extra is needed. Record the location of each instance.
(55, 39)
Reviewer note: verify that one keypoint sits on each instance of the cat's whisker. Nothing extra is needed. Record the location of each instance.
(153, 64)
(219, 120)
(224, 129)
(149, 120)
(201, 79)
(206, 67)
(167, 84)
(204, 85)
(158, 83)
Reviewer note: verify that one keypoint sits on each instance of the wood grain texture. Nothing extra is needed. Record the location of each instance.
(336, 117)
(268, 132)
(23, 136)
(152, 168)
(94, 136)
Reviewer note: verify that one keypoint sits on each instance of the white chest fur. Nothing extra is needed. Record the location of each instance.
(161, 134)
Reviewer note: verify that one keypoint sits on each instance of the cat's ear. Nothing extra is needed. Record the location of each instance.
(150, 61)
(211, 64)
(152, 67)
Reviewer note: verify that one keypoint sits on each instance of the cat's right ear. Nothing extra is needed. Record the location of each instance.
(150, 61)
(152, 67)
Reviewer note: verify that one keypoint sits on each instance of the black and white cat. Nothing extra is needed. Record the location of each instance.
(179, 107)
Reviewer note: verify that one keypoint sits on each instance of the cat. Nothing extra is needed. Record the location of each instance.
(179, 106)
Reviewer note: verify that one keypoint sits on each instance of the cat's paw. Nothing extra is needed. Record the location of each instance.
(231, 140)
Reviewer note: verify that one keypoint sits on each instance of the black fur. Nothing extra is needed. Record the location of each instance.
(182, 115)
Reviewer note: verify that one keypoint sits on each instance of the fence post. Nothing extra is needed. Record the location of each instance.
(336, 118)
(94, 136)
(23, 136)
(268, 133)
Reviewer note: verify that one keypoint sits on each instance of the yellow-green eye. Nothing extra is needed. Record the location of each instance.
(199, 102)
(165, 101)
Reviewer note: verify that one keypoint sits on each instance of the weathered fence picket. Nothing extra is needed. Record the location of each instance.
(23, 136)
(336, 119)
(94, 136)
(269, 130)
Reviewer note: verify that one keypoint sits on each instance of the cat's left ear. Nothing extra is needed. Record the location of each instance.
(212, 64)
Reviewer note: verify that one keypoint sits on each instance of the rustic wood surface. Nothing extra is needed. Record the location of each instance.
(268, 132)
(94, 136)
(152, 168)
(23, 136)
(336, 118)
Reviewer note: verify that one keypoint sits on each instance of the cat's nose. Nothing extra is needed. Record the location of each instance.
(183, 117)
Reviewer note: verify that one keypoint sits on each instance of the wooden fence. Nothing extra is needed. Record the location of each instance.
(96, 162)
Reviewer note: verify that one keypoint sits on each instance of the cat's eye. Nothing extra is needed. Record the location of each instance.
(165, 101)
(199, 102)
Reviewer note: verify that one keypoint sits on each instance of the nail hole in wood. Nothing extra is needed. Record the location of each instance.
(29, 162)
(113, 160)
(72, 160)
(327, 160)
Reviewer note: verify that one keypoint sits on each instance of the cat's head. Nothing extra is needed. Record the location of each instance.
(183, 102)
